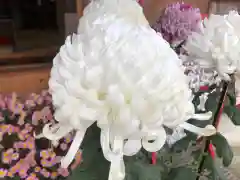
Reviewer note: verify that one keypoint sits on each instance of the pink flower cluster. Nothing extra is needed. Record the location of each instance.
(21, 154)
(178, 21)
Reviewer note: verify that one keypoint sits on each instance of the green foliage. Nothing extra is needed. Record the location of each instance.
(140, 170)
(94, 165)
(182, 173)
(230, 107)
(211, 170)
(233, 113)
(212, 101)
(179, 162)
(223, 149)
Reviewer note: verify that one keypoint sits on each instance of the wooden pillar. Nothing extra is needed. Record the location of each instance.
(61, 9)
(24, 79)
(79, 7)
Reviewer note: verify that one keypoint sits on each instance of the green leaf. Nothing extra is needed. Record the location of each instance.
(211, 169)
(212, 101)
(182, 173)
(231, 99)
(223, 149)
(142, 171)
(138, 167)
(219, 172)
(236, 116)
(233, 113)
(229, 110)
(184, 143)
(94, 165)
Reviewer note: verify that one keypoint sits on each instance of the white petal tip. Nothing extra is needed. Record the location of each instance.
(209, 130)
(64, 165)
(204, 116)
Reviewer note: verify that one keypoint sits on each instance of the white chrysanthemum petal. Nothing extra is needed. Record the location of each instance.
(207, 131)
(154, 143)
(217, 47)
(119, 73)
(132, 147)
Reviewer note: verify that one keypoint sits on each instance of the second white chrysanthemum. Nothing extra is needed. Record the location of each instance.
(217, 46)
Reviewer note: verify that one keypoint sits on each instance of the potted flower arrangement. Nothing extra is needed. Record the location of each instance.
(124, 99)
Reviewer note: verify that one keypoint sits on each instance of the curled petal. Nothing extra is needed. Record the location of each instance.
(154, 144)
(132, 147)
(209, 130)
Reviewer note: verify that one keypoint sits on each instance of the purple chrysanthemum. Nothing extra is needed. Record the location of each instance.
(178, 21)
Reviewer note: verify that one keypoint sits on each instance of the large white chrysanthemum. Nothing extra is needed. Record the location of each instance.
(217, 46)
(119, 73)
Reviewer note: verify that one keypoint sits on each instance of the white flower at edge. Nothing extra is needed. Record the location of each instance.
(122, 75)
(197, 75)
(217, 46)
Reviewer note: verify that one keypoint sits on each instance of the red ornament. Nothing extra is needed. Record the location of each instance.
(204, 16)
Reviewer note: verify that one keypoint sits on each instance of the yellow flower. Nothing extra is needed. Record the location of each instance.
(33, 175)
(44, 162)
(22, 171)
(15, 156)
(3, 128)
(44, 154)
(6, 160)
(30, 145)
(54, 175)
(10, 174)
(37, 169)
(5, 154)
(3, 173)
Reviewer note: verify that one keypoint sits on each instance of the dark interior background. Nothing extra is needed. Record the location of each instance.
(30, 14)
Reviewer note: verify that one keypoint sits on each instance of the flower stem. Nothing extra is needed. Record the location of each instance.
(215, 123)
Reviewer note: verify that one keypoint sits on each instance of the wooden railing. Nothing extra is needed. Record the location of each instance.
(24, 79)
(26, 72)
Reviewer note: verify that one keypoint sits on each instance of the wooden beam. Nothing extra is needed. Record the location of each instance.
(79, 6)
(29, 57)
(24, 79)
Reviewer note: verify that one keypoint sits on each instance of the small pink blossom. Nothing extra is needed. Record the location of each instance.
(2, 102)
(68, 138)
(7, 156)
(28, 127)
(36, 117)
(8, 129)
(3, 173)
(40, 100)
(21, 118)
(45, 173)
(15, 156)
(56, 159)
(28, 144)
(30, 104)
(63, 146)
(63, 172)
(32, 177)
(46, 114)
(45, 154)
(48, 100)
(23, 173)
(44, 93)
(46, 163)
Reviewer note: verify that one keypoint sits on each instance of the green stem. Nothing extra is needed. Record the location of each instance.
(214, 123)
